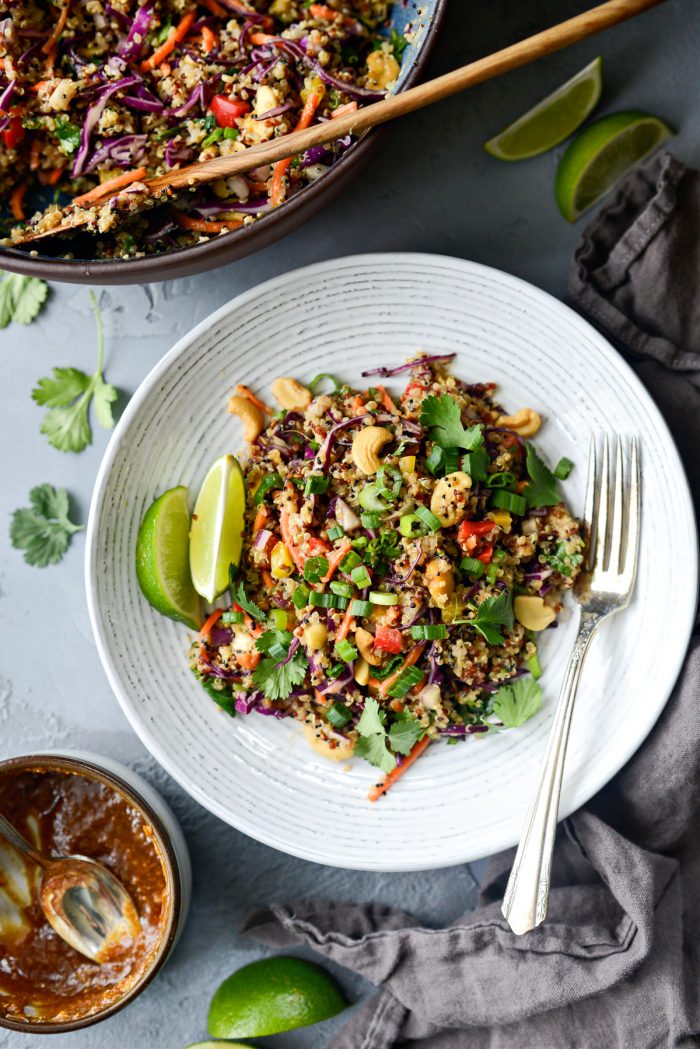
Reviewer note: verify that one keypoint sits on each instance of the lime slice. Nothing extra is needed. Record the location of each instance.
(551, 120)
(216, 536)
(162, 558)
(601, 155)
(273, 995)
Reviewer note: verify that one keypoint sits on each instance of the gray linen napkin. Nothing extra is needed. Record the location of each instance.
(617, 963)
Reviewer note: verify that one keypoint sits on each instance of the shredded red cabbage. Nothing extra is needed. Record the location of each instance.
(386, 373)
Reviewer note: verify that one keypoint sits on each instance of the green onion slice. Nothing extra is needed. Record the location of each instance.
(370, 499)
(358, 607)
(407, 679)
(563, 469)
(429, 632)
(346, 651)
(360, 576)
(343, 589)
(300, 597)
(338, 714)
(380, 597)
(268, 483)
(317, 379)
(411, 526)
(472, 566)
(336, 532)
(508, 501)
(428, 518)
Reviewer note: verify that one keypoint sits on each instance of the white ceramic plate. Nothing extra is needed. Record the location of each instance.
(459, 802)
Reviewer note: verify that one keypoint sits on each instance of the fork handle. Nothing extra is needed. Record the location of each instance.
(527, 893)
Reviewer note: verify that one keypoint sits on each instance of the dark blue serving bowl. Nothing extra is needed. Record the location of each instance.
(425, 18)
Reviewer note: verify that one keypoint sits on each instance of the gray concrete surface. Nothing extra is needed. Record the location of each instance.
(431, 189)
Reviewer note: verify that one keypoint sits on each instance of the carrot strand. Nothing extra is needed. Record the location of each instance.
(50, 44)
(243, 391)
(210, 622)
(17, 202)
(105, 188)
(281, 167)
(381, 788)
(203, 225)
(176, 36)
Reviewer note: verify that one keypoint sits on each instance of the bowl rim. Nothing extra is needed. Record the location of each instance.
(60, 762)
(267, 229)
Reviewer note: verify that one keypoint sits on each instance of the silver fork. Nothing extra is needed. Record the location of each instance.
(610, 568)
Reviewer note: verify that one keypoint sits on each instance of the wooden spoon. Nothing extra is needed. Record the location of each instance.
(525, 51)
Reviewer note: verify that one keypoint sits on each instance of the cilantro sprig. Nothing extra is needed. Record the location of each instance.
(240, 598)
(379, 747)
(442, 417)
(43, 530)
(517, 702)
(542, 488)
(67, 395)
(21, 298)
(492, 614)
(276, 676)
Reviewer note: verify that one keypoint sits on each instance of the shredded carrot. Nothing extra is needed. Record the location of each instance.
(387, 401)
(330, 14)
(53, 176)
(334, 558)
(247, 660)
(344, 628)
(36, 88)
(260, 519)
(294, 551)
(342, 111)
(50, 44)
(17, 201)
(35, 154)
(105, 188)
(320, 698)
(243, 391)
(267, 579)
(214, 7)
(358, 405)
(262, 38)
(412, 657)
(381, 788)
(203, 225)
(209, 622)
(280, 169)
(208, 39)
(179, 33)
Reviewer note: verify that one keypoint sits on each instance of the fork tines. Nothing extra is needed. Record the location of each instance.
(612, 514)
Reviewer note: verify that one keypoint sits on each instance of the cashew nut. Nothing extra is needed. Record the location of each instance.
(365, 642)
(337, 748)
(440, 580)
(429, 697)
(526, 422)
(249, 414)
(449, 498)
(366, 448)
(361, 674)
(382, 69)
(533, 613)
(315, 636)
(290, 394)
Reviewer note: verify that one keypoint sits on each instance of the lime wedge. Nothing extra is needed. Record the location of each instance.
(273, 995)
(218, 1044)
(551, 120)
(162, 558)
(216, 536)
(603, 154)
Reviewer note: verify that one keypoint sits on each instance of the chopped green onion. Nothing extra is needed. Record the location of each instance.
(503, 479)
(451, 464)
(389, 481)
(491, 574)
(381, 597)
(350, 561)
(508, 501)
(428, 518)
(499, 556)
(360, 576)
(358, 607)
(230, 133)
(534, 666)
(475, 464)
(278, 618)
(229, 618)
(300, 597)
(336, 532)
(360, 543)
(407, 679)
(435, 460)
(335, 671)
(389, 667)
(371, 500)
(472, 566)
(277, 652)
(344, 589)
(316, 485)
(372, 520)
(429, 632)
(315, 569)
(338, 714)
(319, 378)
(341, 602)
(268, 482)
(563, 469)
(346, 651)
(320, 600)
(411, 526)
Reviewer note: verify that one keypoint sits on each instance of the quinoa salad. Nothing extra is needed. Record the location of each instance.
(96, 96)
(402, 556)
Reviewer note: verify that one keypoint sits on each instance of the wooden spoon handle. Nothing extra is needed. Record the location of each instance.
(525, 51)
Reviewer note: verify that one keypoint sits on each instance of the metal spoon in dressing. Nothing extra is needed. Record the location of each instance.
(85, 904)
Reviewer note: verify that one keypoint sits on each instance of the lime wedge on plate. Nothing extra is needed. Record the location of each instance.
(551, 120)
(162, 558)
(601, 155)
(273, 995)
(218, 1044)
(216, 536)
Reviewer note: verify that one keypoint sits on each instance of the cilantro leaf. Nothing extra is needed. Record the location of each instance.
(277, 679)
(443, 418)
(517, 702)
(21, 298)
(399, 44)
(223, 697)
(43, 531)
(564, 560)
(67, 394)
(492, 614)
(371, 744)
(238, 597)
(542, 489)
(68, 134)
(405, 733)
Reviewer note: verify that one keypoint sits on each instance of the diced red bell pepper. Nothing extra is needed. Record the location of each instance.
(228, 110)
(388, 639)
(474, 528)
(13, 133)
(486, 554)
(318, 546)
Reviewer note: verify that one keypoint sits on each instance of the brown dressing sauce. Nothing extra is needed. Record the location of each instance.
(41, 977)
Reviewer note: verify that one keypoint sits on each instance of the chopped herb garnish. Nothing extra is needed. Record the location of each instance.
(274, 678)
(443, 418)
(315, 569)
(43, 530)
(372, 742)
(517, 702)
(238, 597)
(542, 489)
(405, 733)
